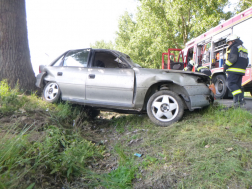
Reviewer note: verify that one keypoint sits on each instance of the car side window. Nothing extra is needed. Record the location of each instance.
(76, 58)
(108, 60)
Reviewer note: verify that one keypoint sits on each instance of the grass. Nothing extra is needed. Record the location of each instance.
(208, 148)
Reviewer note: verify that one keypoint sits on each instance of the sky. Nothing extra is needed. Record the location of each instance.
(55, 26)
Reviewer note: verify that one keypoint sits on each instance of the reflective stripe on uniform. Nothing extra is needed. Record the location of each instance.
(198, 69)
(236, 92)
(229, 63)
(243, 49)
(236, 70)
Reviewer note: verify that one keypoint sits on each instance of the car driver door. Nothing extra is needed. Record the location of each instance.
(108, 82)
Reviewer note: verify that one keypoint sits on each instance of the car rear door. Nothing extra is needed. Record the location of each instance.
(108, 82)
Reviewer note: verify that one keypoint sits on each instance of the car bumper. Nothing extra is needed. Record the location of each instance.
(199, 96)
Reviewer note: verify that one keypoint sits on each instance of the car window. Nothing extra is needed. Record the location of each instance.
(76, 58)
(108, 60)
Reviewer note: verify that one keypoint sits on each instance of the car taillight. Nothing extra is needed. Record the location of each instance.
(39, 70)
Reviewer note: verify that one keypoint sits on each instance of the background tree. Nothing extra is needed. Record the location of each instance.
(103, 45)
(15, 64)
(163, 24)
(242, 5)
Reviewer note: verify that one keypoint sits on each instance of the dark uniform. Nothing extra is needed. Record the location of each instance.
(202, 69)
(189, 67)
(236, 63)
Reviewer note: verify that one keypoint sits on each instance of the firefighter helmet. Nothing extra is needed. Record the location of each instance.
(192, 62)
(231, 37)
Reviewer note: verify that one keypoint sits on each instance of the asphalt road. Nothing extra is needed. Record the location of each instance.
(228, 102)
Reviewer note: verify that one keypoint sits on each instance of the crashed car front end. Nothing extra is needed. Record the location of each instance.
(191, 87)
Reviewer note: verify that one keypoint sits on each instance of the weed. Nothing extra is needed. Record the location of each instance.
(121, 177)
(9, 98)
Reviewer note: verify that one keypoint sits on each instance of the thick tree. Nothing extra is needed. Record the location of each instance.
(15, 64)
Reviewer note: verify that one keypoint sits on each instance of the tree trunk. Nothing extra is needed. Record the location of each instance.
(15, 63)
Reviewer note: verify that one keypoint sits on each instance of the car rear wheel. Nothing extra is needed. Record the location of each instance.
(51, 92)
(164, 108)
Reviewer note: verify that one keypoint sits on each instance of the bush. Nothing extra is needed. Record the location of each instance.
(8, 98)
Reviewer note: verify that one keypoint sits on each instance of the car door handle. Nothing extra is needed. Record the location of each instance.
(91, 76)
(60, 73)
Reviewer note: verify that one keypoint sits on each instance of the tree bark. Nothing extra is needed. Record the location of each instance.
(15, 63)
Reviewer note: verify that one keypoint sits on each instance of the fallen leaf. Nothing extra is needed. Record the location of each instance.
(229, 149)
(22, 110)
(106, 155)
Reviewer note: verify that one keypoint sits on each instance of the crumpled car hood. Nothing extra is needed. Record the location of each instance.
(163, 71)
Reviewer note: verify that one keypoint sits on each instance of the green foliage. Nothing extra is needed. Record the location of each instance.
(9, 98)
(124, 174)
(103, 45)
(13, 153)
(58, 153)
(65, 155)
(242, 5)
(161, 25)
(121, 177)
(148, 161)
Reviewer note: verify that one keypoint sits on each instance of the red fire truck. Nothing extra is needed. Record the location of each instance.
(209, 49)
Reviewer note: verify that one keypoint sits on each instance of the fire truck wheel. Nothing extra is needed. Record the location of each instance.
(164, 108)
(220, 86)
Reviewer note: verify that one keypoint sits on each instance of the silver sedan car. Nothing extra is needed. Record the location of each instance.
(108, 79)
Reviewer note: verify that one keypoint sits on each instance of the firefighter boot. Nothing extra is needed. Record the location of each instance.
(240, 101)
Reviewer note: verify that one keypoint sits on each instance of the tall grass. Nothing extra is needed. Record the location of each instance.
(57, 150)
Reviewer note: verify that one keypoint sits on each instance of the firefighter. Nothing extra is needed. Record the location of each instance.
(235, 67)
(189, 66)
(202, 69)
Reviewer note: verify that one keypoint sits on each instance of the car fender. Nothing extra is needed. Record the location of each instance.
(39, 79)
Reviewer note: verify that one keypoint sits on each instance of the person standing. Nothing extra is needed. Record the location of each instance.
(235, 66)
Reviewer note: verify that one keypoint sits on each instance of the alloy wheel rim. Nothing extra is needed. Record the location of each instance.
(165, 108)
(51, 91)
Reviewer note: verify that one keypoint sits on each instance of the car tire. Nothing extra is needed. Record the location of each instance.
(164, 108)
(51, 92)
(220, 86)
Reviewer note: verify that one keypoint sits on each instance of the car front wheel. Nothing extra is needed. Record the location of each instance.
(164, 108)
(51, 92)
